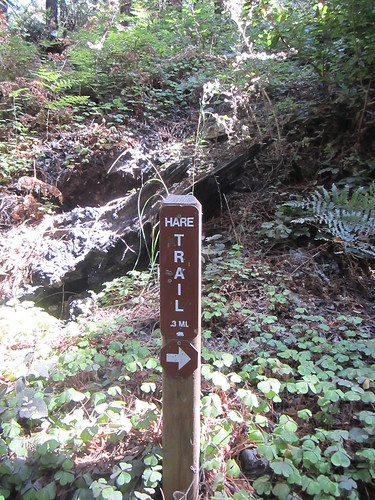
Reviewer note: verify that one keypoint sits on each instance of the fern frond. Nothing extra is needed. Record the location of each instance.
(347, 217)
(54, 82)
(68, 101)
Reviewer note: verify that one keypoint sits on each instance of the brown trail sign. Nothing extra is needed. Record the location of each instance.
(180, 324)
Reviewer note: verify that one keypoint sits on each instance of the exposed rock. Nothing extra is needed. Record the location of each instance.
(253, 465)
(80, 249)
(33, 185)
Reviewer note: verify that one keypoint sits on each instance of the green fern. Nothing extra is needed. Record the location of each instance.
(69, 101)
(59, 87)
(347, 218)
(54, 82)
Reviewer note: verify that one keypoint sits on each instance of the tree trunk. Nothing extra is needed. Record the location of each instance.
(3, 15)
(219, 6)
(125, 7)
(52, 15)
(177, 4)
(4, 6)
(63, 12)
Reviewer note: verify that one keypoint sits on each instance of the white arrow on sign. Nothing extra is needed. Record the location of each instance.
(181, 358)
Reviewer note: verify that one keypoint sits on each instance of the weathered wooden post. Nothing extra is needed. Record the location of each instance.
(180, 324)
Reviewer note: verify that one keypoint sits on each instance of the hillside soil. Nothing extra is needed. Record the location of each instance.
(318, 278)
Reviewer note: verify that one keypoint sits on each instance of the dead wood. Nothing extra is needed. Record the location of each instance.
(85, 247)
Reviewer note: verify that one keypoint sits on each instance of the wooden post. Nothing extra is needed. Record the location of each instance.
(180, 324)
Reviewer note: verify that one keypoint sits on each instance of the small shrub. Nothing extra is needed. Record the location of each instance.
(18, 58)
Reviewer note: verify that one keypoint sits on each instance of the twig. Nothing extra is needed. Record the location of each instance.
(305, 262)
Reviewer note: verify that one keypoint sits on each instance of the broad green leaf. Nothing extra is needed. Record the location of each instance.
(287, 423)
(151, 460)
(148, 387)
(233, 470)
(75, 396)
(132, 367)
(227, 359)
(221, 437)
(352, 396)
(151, 477)
(123, 478)
(47, 444)
(220, 381)
(235, 378)
(109, 494)
(33, 409)
(289, 437)
(263, 485)
(100, 359)
(88, 433)
(311, 487)
(152, 363)
(261, 420)
(269, 451)
(308, 444)
(368, 397)
(211, 405)
(255, 436)
(338, 435)
(18, 446)
(47, 493)
(332, 395)
(296, 457)
(3, 447)
(340, 459)
(367, 454)
(248, 398)
(120, 473)
(347, 484)
(269, 387)
(235, 417)
(68, 464)
(114, 391)
(301, 387)
(213, 464)
(368, 417)
(291, 387)
(358, 435)
(281, 490)
(327, 485)
(304, 414)
(64, 477)
(310, 457)
(99, 398)
(281, 467)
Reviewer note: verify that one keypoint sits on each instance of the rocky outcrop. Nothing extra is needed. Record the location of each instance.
(80, 249)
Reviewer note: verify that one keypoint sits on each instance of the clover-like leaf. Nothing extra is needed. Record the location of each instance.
(233, 470)
(340, 459)
(282, 467)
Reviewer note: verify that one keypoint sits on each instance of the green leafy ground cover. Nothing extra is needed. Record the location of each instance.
(285, 374)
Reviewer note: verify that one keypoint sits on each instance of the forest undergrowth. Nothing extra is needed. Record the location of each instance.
(287, 379)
